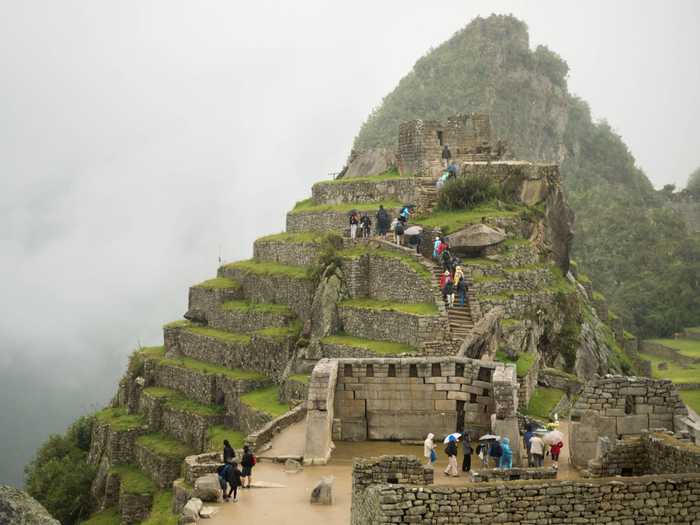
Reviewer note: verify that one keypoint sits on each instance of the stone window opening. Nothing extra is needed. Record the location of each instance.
(459, 369)
(440, 138)
(484, 374)
(436, 370)
(629, 405)
(487, 392)
(472, 398)
(413, 371)
(370, 371)
(347, 370)
(392, 371)
(393, 479)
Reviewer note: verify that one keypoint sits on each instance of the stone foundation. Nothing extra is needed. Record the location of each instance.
(511, 474)
(365, 191)
(264, 434)
(162, 470)
(287, 252)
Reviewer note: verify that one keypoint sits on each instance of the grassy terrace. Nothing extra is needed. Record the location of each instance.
(133, 481)
(161, 513)
(265, 400)
(300, 238)
(686, 347)
(293, 329)
(300, 378)
(217, 434)
(691, 398)
(387, 175)
(119, 420)
(178, 401)
(360, 250)
(523, 363)
(390, 306)
(246, 306)
(543, 401)
(449, 221)
(221, 335)
(218, 283)
(209, 368)
(152, 352)
(675, 372)
(308, 205)
(269, 268)
(106, 517)
(165, 446)
(378, 347)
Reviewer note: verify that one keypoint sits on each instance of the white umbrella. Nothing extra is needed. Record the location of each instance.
(414, 230)
(457, 435)
(553, 437)
(488, 436)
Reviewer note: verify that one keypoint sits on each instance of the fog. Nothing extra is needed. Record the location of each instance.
(142, 140)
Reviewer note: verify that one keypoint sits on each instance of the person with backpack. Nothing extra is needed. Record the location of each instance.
(446, 155)
(527, 439)
(482, 450)
(537, 447)
(555, 450)
(445, 280)
(229, 452)
(366, 226)
(467, 449)
(353, 225)
(404, 215)
(248, 461)
(382, 221)
(398, 232)
(233, 478)
(451, 451)
(460, 284)
(436, 246)
(496, 451)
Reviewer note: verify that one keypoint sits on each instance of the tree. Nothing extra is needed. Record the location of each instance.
(693, 185)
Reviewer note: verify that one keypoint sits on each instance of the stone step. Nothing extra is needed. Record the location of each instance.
(266, 282)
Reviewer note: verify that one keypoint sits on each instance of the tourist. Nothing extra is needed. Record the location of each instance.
(382, 221)
(527, 438)
(414, 242)
(537, 450)
(446, 287)
(233, 478)
(353, 225)
(467, 448)
(442, 180)
(447, 259)
(452, 171)
(482, 450)
(222, 472)
(496, 451)
(366, 224)
(429, 450)
(398, 231)
(506, 454)
(436, 247)
(446, 155)
(229, 453)
(442, 247)
(247, 462)
(451, 451)
(405, 215)
(555, 450)
(461, 284)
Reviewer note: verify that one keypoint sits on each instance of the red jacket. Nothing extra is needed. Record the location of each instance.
(441, 247)
(444, 279)
(556, 449)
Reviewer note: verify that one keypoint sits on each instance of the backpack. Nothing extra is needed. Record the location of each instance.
(399, 229)
(253, 460)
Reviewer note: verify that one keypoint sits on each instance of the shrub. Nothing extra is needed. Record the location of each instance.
(467, 192)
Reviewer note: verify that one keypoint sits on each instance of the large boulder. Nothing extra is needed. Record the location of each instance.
(190, 512)
(323, 492)
(559, 233)
(324, 309)
(474, 237)
(207, 487)
(370, 162)
(19, 508)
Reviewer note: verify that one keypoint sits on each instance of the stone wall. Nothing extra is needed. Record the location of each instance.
(134, 508)
(358, 190)
(510, 474)
(265, 433)
(328, 221)
(629, 501)
(528, 383)
(419, 150)
(293, 391)
(246, 320)
(249, 419)
(319, 412)
(286, 252)
(666, 352)
(162, 470)
(614, 406)
(208, 299)
(115, 445)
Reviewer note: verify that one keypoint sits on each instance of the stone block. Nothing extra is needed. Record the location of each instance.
(447, 387)
(448, 404)
(414, 426)
(459, 396)
(322, 494)
(353, 429)
(632, 424)
(350, 408)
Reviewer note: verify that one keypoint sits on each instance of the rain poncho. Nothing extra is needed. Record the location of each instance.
(507, 456)
(428, 446)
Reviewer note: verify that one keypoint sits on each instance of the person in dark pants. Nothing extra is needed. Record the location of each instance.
(233, 478)
(229, 453)
(383, 221)
(247, 462)
(467, 449)
(446, 156)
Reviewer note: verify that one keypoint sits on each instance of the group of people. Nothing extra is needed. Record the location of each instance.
(385, 224)
(452, 281)
(537, 448)
(230, 476)
(363, 222)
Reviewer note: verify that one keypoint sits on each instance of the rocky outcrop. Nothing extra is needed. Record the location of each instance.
(370, 162)
(324, 310)
(559, 231)
(19, 508)
(474, 237)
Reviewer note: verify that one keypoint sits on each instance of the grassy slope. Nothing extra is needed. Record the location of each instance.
(377, 304)
(543, 401)
(675, 372)
(449, 221)
(218, 283)
(217, 434)
(308, 205)
(178, 401)
(362, 249)
(691, 398)
(378, 347)
(133, 481)
(687, 347)
(265, 400)
(161, 513)
(119, 419)
(270, 268)
(164, 445)
(209, 368)
(106, 517)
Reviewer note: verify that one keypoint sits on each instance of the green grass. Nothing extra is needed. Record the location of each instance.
(597, 296)
(161, 513)
(390, 306)
(409, 261)
(478, 261)
(247, 306)
(293, 330)
(308, 205)
(300, 378)
(165, 446)
(583, 278)
(449, 221)
(378, 347)
(691, 398)
(106, 517)
(119, 419)
(523, 363)
(387, 175)
(270, 268)
(628, 336)
(218, 283)
(694, 329)
(133, 481)
(210, 368)
(686, 347)
(181, 323)
(178, 401)
(300, 237)
(543, 401)
(560, 284)
(221, 335)
(505, 323)
(217, 434)
(265, 400)
(152, 352)
(562, 373)
(675, 372)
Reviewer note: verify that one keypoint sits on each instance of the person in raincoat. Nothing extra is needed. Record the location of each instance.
(467, 449)
(482, 450)
(382, 220)
(451, 451)
(446, 156)
(354, 221)
(436, 247)
(506, 454)
(446, 286)
(555, 450)
(460, 284)
(365, 225)
(429, 450)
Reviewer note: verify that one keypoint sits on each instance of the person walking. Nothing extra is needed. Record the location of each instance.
(482, 450)
(446, 156)
(248, 461)
(506, 454)
(222, 472)
(527, 438)
(398, 232)
(445, 278)
(353, 225)
(555, 450)
(451, 451)
(429, 450)
(537, 451)
(496, 451)
(461, 284)
(446, 259)
(366, 224)
(467, 449)
(229, 452)
(233, 478)
(436, 246)
(382, 220)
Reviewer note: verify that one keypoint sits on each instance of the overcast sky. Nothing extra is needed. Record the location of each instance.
(139, 140)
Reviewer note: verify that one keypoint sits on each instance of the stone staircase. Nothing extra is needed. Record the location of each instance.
(461, 320)
(427, 195)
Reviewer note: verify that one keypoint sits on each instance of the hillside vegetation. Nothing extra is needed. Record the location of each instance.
(637, 252)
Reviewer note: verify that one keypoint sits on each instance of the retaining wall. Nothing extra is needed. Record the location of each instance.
(287, 252)
(359, 190)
